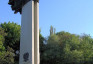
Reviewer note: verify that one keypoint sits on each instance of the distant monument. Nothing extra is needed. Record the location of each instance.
(29, 42)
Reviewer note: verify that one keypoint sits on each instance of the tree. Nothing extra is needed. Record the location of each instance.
(2, 35)
(12, 39)
(42, 47)
(52, 30)
(51, 54)
(13, 35)
(87, 48)
(70, 46)
(6, 56)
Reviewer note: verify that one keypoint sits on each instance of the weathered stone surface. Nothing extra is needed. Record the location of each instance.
(26, 57)
(27, 34)
(29, 40)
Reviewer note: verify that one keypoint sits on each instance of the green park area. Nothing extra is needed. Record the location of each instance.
(22, 41)
(58, 48)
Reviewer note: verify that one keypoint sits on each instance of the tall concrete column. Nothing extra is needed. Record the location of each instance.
(36, 32)
(29, 43)
(27, 34)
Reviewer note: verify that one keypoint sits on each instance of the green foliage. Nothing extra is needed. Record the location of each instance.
(6, 57)
(2, 35)
(12, 40)
(59, 48)
(52, 30)
(42, 46)
(52, 53)
(66, 48)
(13, 35)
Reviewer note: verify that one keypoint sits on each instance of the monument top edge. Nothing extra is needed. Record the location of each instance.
(17, 5)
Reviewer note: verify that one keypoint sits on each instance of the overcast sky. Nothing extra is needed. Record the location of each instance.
(74, 16)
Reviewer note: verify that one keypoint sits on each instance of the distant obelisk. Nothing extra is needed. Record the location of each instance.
(29, 43)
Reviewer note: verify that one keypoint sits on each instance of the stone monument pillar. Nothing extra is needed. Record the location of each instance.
(36, 32)
(29, 40)
(29, 43)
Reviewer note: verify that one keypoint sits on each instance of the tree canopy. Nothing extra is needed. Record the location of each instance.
(59, 48)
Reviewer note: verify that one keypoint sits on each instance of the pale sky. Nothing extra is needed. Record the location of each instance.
(74, 16)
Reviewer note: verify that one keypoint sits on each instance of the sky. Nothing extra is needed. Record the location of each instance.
(74, 16)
